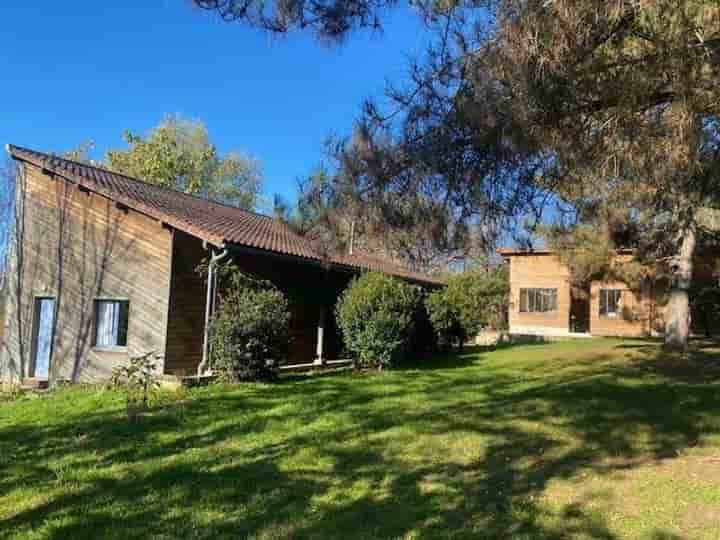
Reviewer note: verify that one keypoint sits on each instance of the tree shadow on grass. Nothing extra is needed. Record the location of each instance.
(700, 364)
(462, 450)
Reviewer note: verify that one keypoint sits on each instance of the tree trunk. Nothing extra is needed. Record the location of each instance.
(677, 318)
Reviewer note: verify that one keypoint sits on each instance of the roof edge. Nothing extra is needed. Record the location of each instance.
(162, 217)
(515, 252)
(36, 159)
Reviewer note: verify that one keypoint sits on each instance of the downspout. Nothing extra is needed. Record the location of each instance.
(215, 258)
(352, 237)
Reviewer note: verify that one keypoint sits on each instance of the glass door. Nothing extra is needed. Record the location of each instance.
(43, 337)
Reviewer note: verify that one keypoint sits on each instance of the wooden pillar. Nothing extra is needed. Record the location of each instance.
(319, 359)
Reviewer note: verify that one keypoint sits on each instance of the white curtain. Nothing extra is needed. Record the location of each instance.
(108, 322)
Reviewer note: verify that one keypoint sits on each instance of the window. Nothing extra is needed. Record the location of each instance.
(610, 304)
(538, 300)
(111, 323)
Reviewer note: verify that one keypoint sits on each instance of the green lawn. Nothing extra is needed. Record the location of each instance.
(586, 439)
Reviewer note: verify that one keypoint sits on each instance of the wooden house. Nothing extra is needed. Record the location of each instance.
(544, 303)
(105, 268)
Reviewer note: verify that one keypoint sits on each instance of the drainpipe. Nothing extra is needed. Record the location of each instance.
(215, 258)
(352, 237)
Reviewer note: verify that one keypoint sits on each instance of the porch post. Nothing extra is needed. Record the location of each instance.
(319, 359)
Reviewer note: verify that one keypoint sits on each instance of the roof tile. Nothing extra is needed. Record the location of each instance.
(214, 222)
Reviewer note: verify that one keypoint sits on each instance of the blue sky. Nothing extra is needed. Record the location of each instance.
(80, 70)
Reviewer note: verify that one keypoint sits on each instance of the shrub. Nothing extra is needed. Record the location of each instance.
(375, 315)
(250, 330)
(138, 379)
(444, 319)
(470, 302)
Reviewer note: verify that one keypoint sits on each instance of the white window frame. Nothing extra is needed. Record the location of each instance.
(544, 297)
(617, 304)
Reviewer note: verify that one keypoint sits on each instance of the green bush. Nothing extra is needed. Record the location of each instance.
(375, 315)
(250, 330)
(445, 321)
(470, 302)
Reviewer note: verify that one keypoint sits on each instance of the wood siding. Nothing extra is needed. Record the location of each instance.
(642, 311)
(76, 247)
(186, 321)
(638, 314)
(539, 271)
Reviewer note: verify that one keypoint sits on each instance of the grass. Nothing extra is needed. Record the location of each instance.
(596, 439)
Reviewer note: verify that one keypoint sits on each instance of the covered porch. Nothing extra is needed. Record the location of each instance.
(311, 288)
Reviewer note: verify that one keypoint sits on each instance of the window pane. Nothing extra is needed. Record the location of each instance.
(538, 300)
(123, 324)
(111, 319)
(610, 301)
(616, 301)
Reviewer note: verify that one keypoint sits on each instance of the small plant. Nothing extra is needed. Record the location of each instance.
(11, 392)
(138, 379)
(250, 332)
(375, 315)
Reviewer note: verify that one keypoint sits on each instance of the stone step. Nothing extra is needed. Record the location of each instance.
(34, 384)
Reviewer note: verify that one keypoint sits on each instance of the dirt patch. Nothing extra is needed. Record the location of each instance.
(698, 517)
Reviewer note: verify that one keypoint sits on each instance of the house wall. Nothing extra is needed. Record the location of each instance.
(188, 293)
(539, 271)
(638, 311)
(77, 246)
(643, 310)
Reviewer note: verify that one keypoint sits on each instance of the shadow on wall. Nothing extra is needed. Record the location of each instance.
(432, 453)
(64, 242)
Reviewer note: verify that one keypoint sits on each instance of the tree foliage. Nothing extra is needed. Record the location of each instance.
(586, 105)
(470, 302)
(249, 334)
(178, 154)
(331, 20)
(375, 315)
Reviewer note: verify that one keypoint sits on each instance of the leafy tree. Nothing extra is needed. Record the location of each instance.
(522, 103)
(470, 302)
(414, 231)
(627, 100)
(178, 154)
(375, 315)
(81, 152)
(445, 321)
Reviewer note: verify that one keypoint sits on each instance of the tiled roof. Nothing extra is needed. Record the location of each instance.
(216, 223)
(367, 262)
